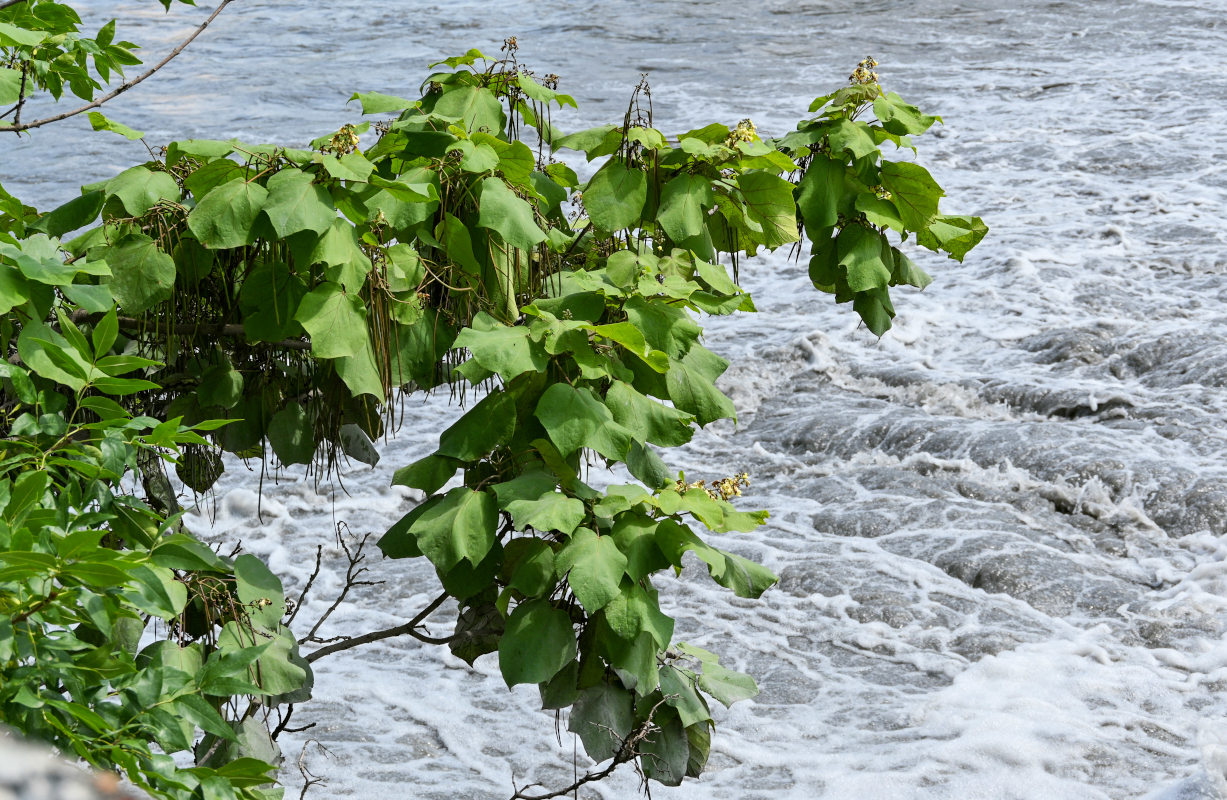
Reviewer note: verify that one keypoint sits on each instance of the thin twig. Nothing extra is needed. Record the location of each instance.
(352, 573)
(408, 629)
(627, 751)
(302, 596)
(123, 87)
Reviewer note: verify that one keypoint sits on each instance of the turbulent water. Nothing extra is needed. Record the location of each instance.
(999, 529)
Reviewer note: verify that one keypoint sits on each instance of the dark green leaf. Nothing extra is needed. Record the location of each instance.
(615, 196)
(537, 643)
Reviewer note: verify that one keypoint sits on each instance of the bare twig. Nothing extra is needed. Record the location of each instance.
(123, 87)
(352, 573)
(408, 629)
(309, 779)
(627, 751)
(302, 596)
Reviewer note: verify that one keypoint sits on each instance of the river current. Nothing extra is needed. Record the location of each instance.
(999, 529)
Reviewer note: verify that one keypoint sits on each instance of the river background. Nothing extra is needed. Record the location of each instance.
(999, 528)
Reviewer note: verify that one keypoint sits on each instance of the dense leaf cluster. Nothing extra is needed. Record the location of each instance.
(298, 294)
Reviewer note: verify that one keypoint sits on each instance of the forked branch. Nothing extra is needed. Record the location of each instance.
(123, 87)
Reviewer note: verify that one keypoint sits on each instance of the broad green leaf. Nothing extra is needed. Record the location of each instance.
(226, 216)
(141, 274)
(339, 250)
(203, 149)
(155, 591)
(819, 194)
(696, 393)
(292, 435)
(576, 418)
(875, 308)
(913, 191)
(377, 103)
(860, 252)
(602, 716)
(726, 685)
(508, 215)
(336, 321)
(731, 571)
(551, 511)
(900, 118)
(879, 211)
(269, 298)
(296, 203)
(537, 643)
(427, 474)
(594, 142)
(769, 202)
(139, 188)
(260, 591)
(16, 36)
(954, 234)
(475, 106)
(101, 123)
(593, 566)
(853, 137)
(76, 213)
(484, 427)
(666, 753)
(664, 327)
(528, 566)
(220, 385)
(636, 610)
(635, 535)
(679, 691)
(454, 235)
(646, 419)
(503, 349)
(615, 196)
(461, 525)
(683, 206)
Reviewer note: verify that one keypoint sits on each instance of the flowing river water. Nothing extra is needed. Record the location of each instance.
(999, 529)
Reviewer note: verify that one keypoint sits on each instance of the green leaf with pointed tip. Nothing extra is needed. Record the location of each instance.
(226, 216)
(819, 194)
(615, 196)
(504, 349)
(537, 643)
(101, 123)
(528, 566)
(260, 591)
(635, 535)
(860, 253)
(76, 213)
(726, 685)
(377, 103)
(576, 418)
(666, 754)
(913, 191)
(292, 435)
(636, 610)
(602, 716)
(900, 118)
(646, 419)
(683, 206)
(296, 203)
(508, 215)
(138, 189)
(336, 321)
(664, 327)
(853, 137)
(141, 274)
(461, 525)
(743, 576)
(875, 308)
(593, 566)
(695, 392)
(475, 106)
(679, 691)
(954, 234)
(17, 36)
(551, 511)
(879, 211)
(593, 142)
(484, 427)
(427, 474)
(769, 202)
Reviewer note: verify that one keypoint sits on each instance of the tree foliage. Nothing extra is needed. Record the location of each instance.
(275, 302)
